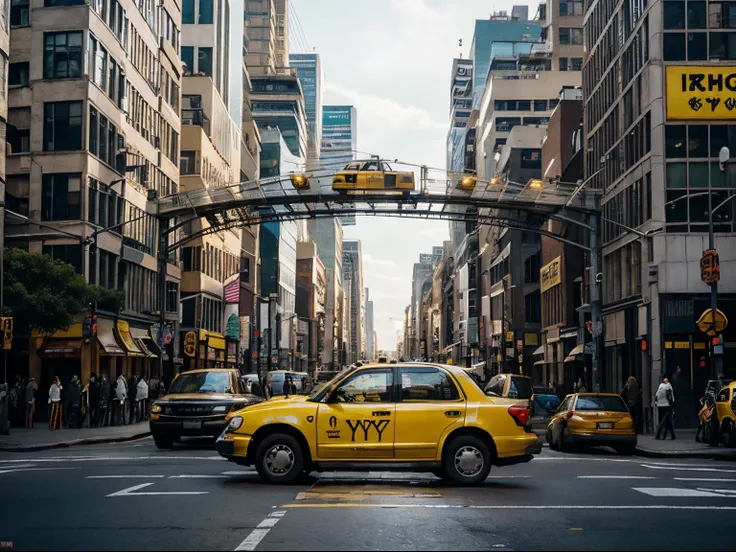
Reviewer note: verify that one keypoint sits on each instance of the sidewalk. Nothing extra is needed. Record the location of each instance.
(684, 446)
(40, 438)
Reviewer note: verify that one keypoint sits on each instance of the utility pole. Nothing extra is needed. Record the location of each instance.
(163, 253)
(717, 363)
(595, 295)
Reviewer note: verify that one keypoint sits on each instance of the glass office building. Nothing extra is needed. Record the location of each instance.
(310, 74)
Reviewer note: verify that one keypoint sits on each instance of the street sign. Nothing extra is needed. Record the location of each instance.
(705, 322)
(710, 267)
(7, 325)
(190, 344)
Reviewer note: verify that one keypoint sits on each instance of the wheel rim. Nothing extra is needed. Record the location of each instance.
(279, 459)
(469, 461)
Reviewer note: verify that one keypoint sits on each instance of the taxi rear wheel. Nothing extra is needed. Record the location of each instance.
(279, 458)
(467, 460)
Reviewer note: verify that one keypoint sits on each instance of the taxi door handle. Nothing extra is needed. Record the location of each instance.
(452, 413)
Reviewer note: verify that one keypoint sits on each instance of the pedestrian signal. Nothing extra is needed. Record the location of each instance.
(710, 267)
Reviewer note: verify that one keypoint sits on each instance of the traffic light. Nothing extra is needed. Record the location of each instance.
(710, 267)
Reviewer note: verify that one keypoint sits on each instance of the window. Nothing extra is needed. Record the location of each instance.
(62, 129)
(205, 12)
(532, 307)
(244, 269)
(105, 207)
(531, 269)
(496, 385)
(427, 384)
(19, 12)
(61, 197)
(577, 64)
(62, 55)
(674, 136)
(722, 46)
(187, 162)
(70, 254)
(205, 61)
(51, 3)
(674, 15)
(187, 58)
(18, 74)
(103, 137)
(563, 64)
(610, 403)
(368, 386)
(674, 47)
(696, 15)
(571, 35)
(531, 159)
(697, 46)
(540, 105)
(187, 12)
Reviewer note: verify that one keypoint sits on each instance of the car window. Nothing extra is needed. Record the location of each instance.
(202, 382)
(427, 384)
(723, 394)
(369, 386)
(385, 167)
(610, 403)
(277, 377)
(520, 388)
(372, 166)
(496, 385)
(549, 402)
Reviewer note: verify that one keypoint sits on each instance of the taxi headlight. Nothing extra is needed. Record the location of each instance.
(234, 424)
(155, 409)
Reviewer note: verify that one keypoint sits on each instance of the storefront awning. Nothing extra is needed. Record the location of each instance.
(570, 358)
(61, 348)
(142, 347)
(539, 362)
(539, 351)
(106, 338)
(123, 329)
(578, 350)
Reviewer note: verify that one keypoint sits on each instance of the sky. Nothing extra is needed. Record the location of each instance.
(392, 60)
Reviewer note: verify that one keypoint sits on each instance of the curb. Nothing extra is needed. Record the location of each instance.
(76, 442)
(693, 454)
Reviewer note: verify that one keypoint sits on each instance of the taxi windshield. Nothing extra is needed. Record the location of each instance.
(201, 382)
(325, 385)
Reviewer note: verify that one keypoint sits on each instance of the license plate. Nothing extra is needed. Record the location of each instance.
(192, 424)
(605, 425)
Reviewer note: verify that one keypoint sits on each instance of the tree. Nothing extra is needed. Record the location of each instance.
(48, 294)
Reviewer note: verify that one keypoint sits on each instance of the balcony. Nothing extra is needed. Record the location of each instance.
(192, 113)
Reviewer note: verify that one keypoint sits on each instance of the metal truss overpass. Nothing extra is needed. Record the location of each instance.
(513, 205)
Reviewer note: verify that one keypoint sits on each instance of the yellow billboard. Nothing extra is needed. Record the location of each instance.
(550, 275)
(697, 92)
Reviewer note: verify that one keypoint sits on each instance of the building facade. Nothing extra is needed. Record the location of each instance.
(352, 270)
(310, 73)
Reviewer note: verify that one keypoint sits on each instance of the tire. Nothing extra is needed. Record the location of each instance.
(163, 442)
(467, 461)
(625, 450)
(561, 446)
(712, 426)
(729, 434)
(279, 459)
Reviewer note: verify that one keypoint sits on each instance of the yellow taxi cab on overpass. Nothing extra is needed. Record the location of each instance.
(406, 416)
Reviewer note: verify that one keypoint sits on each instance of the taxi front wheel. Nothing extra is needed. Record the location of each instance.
(467, 460)
(279, 458)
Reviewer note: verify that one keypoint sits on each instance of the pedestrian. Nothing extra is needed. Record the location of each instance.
(93, 398)
(132, 398)
(581, 386)
(15, 410)
(104, 402)
(55, 401)
(142, 397)
(632, 395)
(664, 398)
(72, 401)
(31, 389)
(121, 394)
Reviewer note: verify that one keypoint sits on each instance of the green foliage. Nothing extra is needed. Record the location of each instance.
(110, 300)
(40, 292)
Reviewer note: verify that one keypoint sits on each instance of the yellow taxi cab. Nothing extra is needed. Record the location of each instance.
(594, 419)
(726, 412)
(404, 416)
(372, 175)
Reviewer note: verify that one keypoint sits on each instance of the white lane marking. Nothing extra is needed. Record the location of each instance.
(510, 477)
(553, 507)
(721, 491)
(131, 491)
(256, 536)
(125, 477)
(198, 476)
(14, 469)
(713, 479)
(113, 458)
(615, 477)
(301, 496)
(656, 467)
(239, 472)
(674, 492)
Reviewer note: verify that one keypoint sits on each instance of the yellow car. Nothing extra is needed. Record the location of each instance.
(382, 416)
(726, 412)
(593, 419)
(372, 176)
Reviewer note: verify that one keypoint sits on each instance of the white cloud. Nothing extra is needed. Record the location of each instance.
(370, 277)
(414, 8)
(370, 261)
(387, 110)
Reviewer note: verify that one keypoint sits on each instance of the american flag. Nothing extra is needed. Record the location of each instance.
(232, 292)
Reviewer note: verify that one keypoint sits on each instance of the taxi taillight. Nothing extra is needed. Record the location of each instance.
(569, 415)
(521, 414)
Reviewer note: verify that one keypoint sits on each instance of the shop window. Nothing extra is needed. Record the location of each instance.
(676, 175)
(698, 173)
(697, 141)
(697, 46)
(674, 47)
(674, 137)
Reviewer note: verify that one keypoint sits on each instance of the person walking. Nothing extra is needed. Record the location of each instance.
(121, 394)
(72, 401)
(15, 411)
(631, 394)
(142, 397)
(55, 402)
(30, 402)
(104, 402)
(581, 386)
(664, 398)
(93, 396)
(132, 399)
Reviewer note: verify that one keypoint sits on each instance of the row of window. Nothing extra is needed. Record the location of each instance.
(201, 312)
(571, 7)
(115, 17)
(630, 208)
(622, 273)
(712, 46)
(141, 288)
(699, 15)
(142, 116)
(211, 261)
(571, 64)
(203, 58)
(104, 138)
(104, 206)
(570, 35)
(143, 58)
(509, 105)
(140, 231)
(553, 308)
(104, 274)
(205, 13)
(104, 71)
(170, 90)
(686, 141)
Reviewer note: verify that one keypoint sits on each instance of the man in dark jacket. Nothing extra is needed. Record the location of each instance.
(73, 402)
(94, 400)
(132, 403)
(104, 402)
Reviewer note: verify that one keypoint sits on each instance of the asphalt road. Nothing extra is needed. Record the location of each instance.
(134, 497)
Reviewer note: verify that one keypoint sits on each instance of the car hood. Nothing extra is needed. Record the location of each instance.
(209, 397)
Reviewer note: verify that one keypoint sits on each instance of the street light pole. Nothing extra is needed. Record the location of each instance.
(595, 298)
(717, 364)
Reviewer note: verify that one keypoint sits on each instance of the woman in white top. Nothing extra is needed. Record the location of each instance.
(55, 402)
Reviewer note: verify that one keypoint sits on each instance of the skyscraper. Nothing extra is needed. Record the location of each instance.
(369, 332)
(353, 272)
(339, 142)
(309, 70)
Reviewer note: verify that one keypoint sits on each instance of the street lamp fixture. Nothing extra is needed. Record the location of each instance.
(467, 182)
(535, 184)
(300, 181)
(494, 181)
